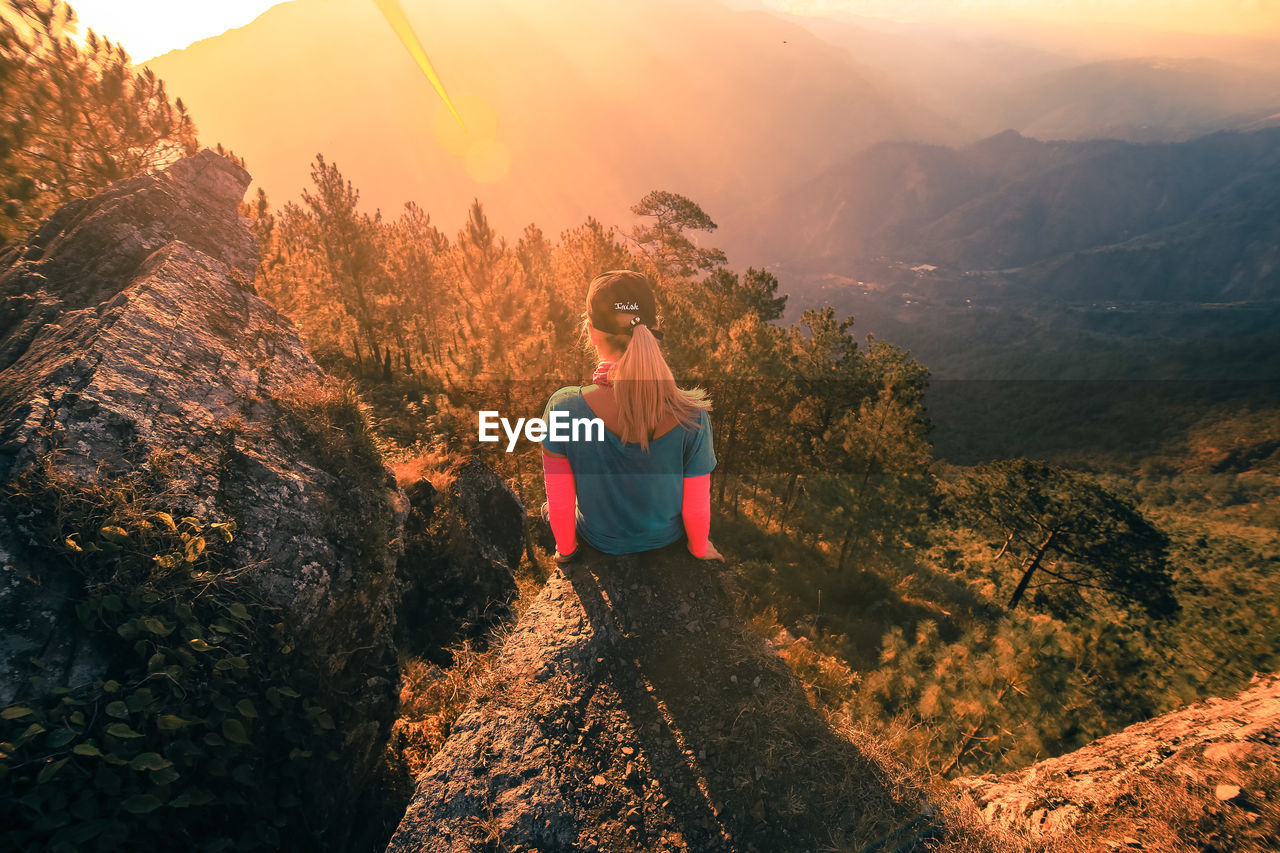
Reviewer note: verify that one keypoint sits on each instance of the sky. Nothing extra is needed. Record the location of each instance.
(148, 28)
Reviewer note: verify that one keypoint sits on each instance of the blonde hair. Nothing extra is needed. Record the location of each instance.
(645, 389)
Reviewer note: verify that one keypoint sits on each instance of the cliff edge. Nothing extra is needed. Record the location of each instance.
(1206, 777)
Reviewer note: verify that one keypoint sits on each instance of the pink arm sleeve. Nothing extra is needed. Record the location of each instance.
(562, 501)
(696, 511)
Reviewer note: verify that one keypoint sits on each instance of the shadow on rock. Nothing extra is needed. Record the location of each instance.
(632, 709)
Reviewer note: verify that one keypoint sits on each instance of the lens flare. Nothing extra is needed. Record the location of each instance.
(485, 157)
(481, 124)
(392, 11)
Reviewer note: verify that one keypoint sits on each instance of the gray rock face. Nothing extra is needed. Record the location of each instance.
(632, 710)
(132, 344)
(90, 249)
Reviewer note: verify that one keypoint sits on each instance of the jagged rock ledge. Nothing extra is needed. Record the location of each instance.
(632, 709)
(133, 346)
(1212, 767)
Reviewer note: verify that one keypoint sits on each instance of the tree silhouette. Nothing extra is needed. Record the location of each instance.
(1068, 527)
(665, 241)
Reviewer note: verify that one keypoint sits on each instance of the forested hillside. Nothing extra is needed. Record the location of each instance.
(903, 588)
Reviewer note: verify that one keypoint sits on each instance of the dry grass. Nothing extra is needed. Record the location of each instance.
(431, 700)
(433, 697)
(954, 824)
(334, 422)
(881, 799)
(433, 465)
(1176, 810)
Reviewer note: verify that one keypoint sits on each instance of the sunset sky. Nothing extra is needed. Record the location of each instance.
(148, 28)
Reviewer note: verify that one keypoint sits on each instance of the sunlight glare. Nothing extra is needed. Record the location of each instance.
(399, 22)
(485, 157)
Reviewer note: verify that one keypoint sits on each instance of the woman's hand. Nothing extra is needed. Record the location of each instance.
(712, 553)
(561, 559)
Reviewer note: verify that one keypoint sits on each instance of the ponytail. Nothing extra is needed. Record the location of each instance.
(645, 389)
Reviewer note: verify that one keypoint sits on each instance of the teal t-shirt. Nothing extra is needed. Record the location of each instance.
(629, 499)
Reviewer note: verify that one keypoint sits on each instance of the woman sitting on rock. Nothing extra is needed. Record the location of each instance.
(647, 484)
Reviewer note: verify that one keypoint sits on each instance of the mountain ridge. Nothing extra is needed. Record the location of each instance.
(1012, 216)
(595, 105)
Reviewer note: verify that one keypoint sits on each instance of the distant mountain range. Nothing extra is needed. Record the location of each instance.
(595, 104)
(1140, 100)
(1055, 83)
(1012, 217)
(822, 146)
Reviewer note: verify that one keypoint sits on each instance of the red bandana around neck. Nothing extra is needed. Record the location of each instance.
(601, 376)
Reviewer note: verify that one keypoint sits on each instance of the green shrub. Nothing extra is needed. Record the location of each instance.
(206, 732)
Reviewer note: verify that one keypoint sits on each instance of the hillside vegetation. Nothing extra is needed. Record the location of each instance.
(888, 579)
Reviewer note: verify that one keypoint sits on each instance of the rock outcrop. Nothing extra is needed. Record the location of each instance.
(631, 708)
(133, 346)
(462, 545)
(1209, 773)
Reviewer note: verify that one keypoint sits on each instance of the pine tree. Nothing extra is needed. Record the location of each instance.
(1066, 526)
(74, 118)
(416, 252)
(665, 241)
(345, 247)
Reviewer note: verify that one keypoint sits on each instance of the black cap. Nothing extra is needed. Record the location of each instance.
(622, 291)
